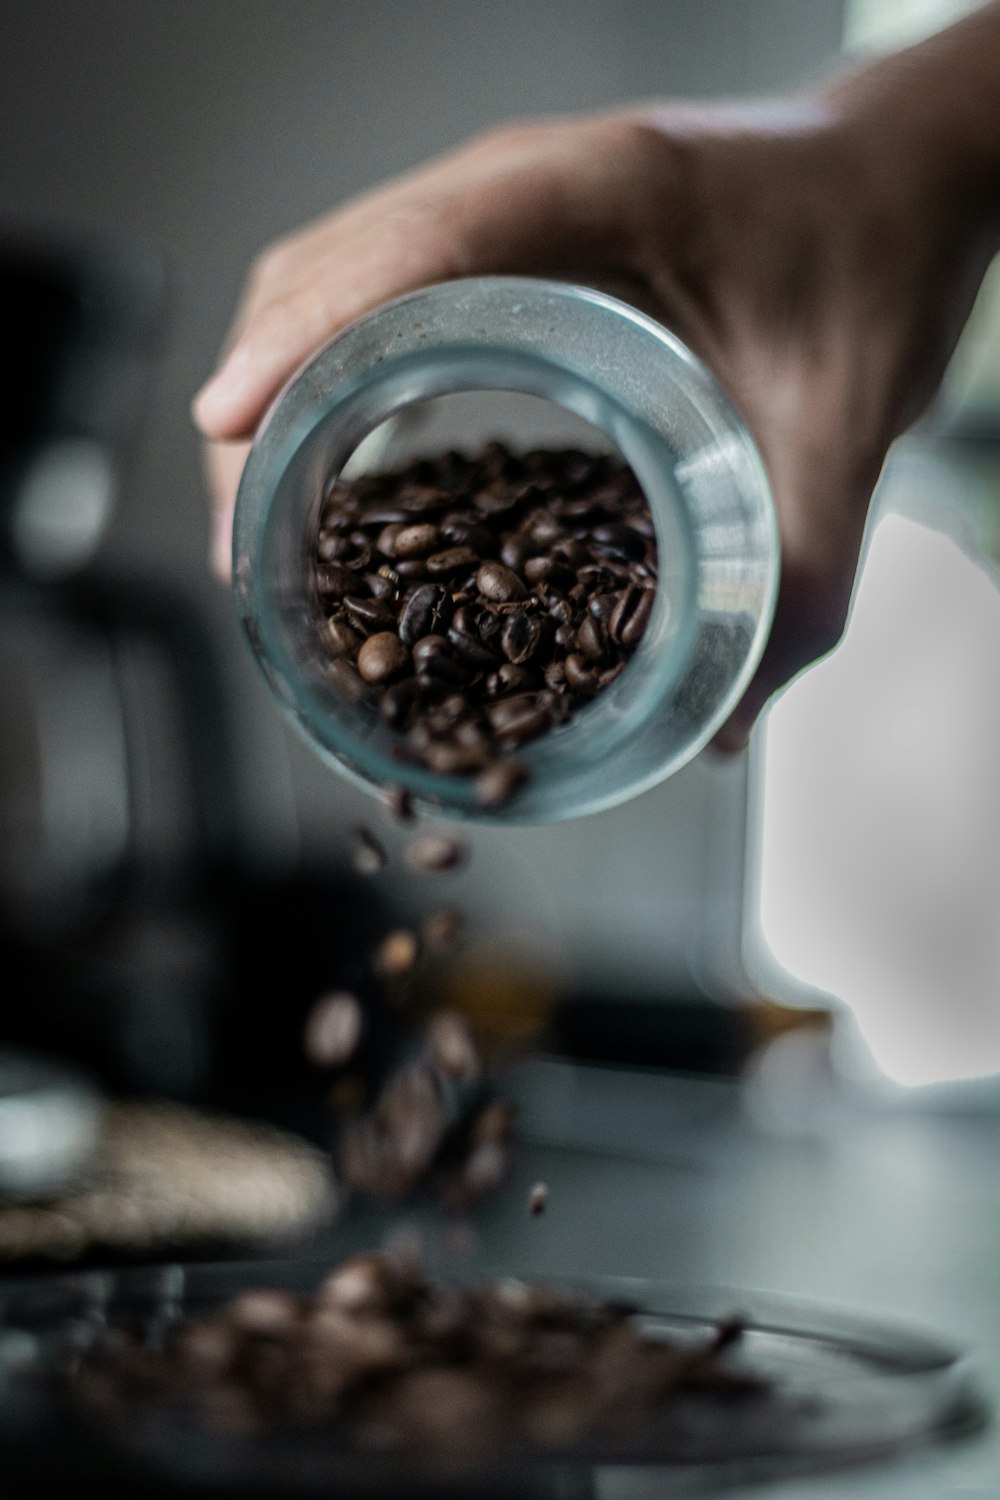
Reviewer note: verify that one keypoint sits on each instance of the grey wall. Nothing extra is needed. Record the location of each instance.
(212, 126)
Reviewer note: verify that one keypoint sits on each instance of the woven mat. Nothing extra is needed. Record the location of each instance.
(168, 1176)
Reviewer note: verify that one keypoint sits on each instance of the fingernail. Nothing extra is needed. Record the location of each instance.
(218, 391)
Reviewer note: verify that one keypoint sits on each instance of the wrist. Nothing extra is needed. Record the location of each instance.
(926, 122)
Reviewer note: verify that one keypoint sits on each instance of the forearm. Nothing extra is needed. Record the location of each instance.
(933, 112)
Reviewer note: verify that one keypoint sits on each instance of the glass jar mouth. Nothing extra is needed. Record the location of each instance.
(423, 346)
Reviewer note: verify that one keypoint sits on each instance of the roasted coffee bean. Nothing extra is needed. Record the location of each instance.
(385, 542)
(434, 851)
(499, 584)
(433, 657)
(338, 639)
(383, 657)
(332, 548)
(463, 633)
(396, 954)
(592, 639)
(631, 616)
(412, 569)
(545, 530)
(618, 541)
(518, 719)
(385, 515)
(416, 541)
(521, 637)
(452, 1047)
(398, 702)
(508, 679)
(451, 560)
(516, 551)
(450, 758)
(334, 581)
(498, 783)
(368, 615)
(580, 674)
(342, 675)
(538, 1199)
(333, 1029)
(602, 606)
(384, 589)
(400, 803)
(442, 929)
(423, 613)
(367, 855)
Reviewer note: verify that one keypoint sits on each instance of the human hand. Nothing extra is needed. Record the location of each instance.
(821, 280)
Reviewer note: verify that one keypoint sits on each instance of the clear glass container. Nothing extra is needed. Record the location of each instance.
(425, 373)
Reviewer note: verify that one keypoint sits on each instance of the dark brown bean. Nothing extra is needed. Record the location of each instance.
(383, 657)
(631, 616)
(451, 560)
(368, 615)
(433, 852)
(338, 639)
(433, 657)
(520, 718)
(398, 702)
(580, 674)
(416, 541)
(592, 639)
(423, 613)
(499, 584)
(331, 547)
(382, 588)
(334, 581)
(385, 542)
(521, 637)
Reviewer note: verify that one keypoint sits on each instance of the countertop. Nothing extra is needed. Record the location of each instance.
(887, 1210)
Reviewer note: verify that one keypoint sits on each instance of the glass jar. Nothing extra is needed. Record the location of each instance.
(596, 361)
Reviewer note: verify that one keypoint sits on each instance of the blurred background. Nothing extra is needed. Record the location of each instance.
(175, 866)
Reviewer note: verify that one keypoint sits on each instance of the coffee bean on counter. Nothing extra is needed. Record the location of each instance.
(538, 1199)
(433, 852)
(508, 580)
(333, 1029)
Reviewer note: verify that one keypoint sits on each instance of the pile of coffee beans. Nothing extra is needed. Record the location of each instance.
(480, 601)
(386, 1360)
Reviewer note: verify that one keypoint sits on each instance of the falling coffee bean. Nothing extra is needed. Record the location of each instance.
(433, 852)
(538, 1199)
(333, 1029)
(367, 855)
(396, 955)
